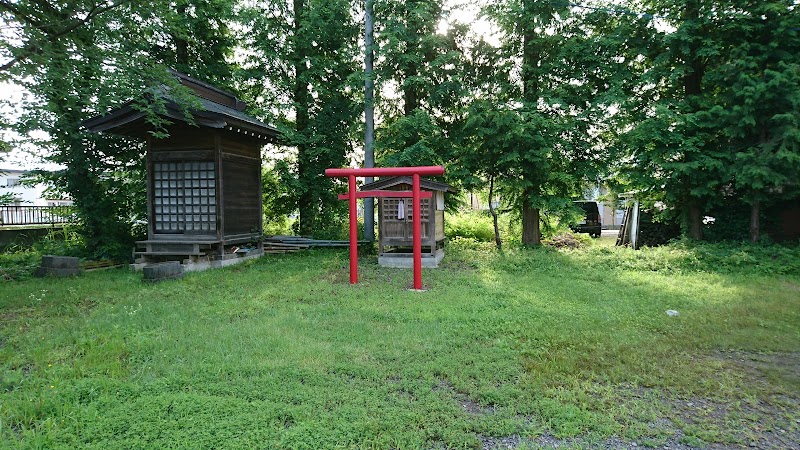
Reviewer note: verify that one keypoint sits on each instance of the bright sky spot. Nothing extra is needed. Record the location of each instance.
(469, 13)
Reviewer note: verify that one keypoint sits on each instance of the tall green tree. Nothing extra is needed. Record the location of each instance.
(420, 70)
(61, 55)
(567, 76)
(304, 70)
(757, 104)
(672, 149)
(201, 43)
(492, 139)
(716, 111)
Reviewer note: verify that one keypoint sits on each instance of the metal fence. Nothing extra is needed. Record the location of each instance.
(36, 215)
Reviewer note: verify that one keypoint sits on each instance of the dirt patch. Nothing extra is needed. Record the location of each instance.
(8, 317)
(765, 366)
(16, 320)
(763, 424)
(368, 272)
(770, 421)
(679, 440)
(548, 442)
(467, 404)
(498, 443)
(565, 240)
(459, 265)
(340, 275)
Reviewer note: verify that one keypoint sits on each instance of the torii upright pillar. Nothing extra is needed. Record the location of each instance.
(415, 194)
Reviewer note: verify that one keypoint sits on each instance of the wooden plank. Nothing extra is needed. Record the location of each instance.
(185, 155)
(220, 188)
(151, 214)
(280, 242)
(241, 159)
(240, 145)
(276, 245)
(187, 241)
(186, 253)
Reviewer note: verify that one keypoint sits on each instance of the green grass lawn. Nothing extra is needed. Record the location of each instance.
(530, 348)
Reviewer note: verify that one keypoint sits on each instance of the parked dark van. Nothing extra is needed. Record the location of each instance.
(591, 221)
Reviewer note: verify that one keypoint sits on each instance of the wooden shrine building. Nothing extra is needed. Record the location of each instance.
(395, 228)
(203, 180)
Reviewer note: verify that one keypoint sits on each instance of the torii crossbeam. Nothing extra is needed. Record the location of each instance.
(415, 194)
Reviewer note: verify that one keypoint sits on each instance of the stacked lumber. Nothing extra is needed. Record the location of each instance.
(291, 244)
(283, 247)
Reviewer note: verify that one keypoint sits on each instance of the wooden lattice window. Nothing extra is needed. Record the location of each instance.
(391, 209)
(184, 197)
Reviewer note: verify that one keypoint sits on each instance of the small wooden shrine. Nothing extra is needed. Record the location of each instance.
(395, 228)
(203, 180)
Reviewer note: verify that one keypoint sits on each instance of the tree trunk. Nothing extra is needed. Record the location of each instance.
(755, 221)
(531, 56)
(695, 219)
(755, 205)
(307, 204)
(530, 224)
(692, 81)
(181, 46)
(493, 212)
(182, 54)
(410, 95)
(693, 88)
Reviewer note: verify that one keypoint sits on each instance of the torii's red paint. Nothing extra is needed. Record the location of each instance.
(416, 195)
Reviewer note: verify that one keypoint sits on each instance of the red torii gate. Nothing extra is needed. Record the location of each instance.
(415, 194)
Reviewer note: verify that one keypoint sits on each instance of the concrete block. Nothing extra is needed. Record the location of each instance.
(170, 270)
(60, 262)
(58, 266)
(406, 260)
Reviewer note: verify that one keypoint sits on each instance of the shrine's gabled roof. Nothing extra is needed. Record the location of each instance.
(424, 183)
(217, 109)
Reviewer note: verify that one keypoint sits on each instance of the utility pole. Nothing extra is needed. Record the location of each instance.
(369, 116)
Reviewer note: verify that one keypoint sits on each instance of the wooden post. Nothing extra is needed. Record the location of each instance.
(415, 210)
(351, 190)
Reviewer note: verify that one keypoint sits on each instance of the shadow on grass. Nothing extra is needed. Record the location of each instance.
(591, 336)
(564, 347)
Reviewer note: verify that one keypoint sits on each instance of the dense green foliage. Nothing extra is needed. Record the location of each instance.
(693, 104)
(79, 59)
(424, 69)
(717, 114)
(539, 344)
(18, 261)
(301, 70)
(474, 225)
